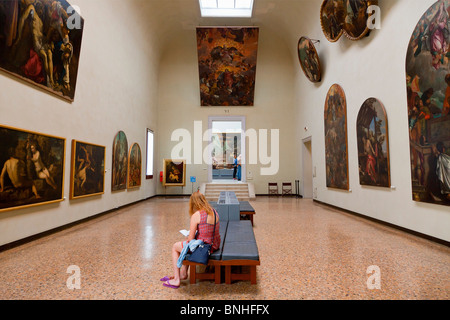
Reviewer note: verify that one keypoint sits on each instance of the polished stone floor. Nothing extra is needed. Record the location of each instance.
(308, 251)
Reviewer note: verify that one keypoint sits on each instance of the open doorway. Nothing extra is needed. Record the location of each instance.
(227, 149)
(307, 169)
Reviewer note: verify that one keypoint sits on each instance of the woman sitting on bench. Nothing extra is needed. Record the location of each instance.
(201, 228)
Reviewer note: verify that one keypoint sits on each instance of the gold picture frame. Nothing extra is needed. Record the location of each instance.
(174, 173)
(32, 168)
(134, 167)
(87, 173)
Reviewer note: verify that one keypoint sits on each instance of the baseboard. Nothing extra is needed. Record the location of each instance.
(391, 225)
(37, 236)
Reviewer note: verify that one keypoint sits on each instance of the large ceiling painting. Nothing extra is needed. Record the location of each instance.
(227, 65)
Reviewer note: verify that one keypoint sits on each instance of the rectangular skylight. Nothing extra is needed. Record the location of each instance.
(226, 8)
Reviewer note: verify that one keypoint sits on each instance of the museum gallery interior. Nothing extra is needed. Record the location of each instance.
(319, 130)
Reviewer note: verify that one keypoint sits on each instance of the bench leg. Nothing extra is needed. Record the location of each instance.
(228, 274)
(253, 274)
(217, 274)
(192, 274)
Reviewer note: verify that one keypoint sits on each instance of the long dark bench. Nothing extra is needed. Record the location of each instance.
(245, 208)
(238, 248)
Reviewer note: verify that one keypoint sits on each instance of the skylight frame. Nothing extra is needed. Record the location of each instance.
(212, 9)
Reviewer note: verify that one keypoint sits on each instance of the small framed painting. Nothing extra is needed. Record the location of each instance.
(134, 166)
(309, 59)
(87, 175)
(32, 168)
(174, 173)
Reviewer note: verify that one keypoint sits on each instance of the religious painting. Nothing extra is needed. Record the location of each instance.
(309, 59)
(373, 144)
(119, 162)
(336, 147)
(174, 173)
(87, 175)
(428, 92)
(32, 168)
(227, 65)
(349, 17)
(40, 43)
(332, 14)
(134, 166)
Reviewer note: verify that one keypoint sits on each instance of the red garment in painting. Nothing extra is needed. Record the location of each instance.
(33, 68)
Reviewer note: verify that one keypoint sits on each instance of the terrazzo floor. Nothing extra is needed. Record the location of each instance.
(308, 251)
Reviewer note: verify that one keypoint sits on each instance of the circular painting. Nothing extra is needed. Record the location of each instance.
(332, 15)
(309, 59)
(356, 18)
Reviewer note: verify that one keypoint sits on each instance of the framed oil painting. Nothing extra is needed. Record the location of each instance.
(332, 14)
(134, 166)
(174, 173)
(338, 17)
(119, 162)
(309, 59)
(32, 168)
(336, 147)
(373, 144)
(227, 65)
(428, 92)
(87, 175)
(40, 43)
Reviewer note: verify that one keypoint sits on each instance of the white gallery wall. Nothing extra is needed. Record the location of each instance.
(372, 67)
(116, 90)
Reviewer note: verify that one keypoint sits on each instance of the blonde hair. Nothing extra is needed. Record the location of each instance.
(198, 202)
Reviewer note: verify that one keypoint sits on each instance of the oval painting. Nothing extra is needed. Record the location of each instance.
(332, 15)
(356, 18)
(309, 59)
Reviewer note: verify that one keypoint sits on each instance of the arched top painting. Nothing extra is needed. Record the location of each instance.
(373, 144)
(347, 17)
(120, 162)
(336, 148)
(309, 59)
(428, 81)
(134, 166)
(40, 42)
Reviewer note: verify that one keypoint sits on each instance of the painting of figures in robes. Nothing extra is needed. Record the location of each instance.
(32, 168)
(227, 65)
(309, 59)
(428, 92)
(336, 147)
(349, 17)
(40, 42)
(120, 162)
(87, 176)
(134, 166)
(373, 144)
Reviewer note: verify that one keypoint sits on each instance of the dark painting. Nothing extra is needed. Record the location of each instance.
(227, 65)
(134, 166)
(88, 170)
(428, 89)
(373, 144)
(120, 162)
(32, 168)
(309, 59)
(174, 173)
(336, 148)
(40, 42)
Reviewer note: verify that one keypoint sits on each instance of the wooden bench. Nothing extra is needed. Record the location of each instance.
(238, 249)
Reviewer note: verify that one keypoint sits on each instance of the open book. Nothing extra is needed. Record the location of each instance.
(184, 232)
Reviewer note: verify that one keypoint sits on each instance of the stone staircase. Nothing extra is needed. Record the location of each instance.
(244, 191)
